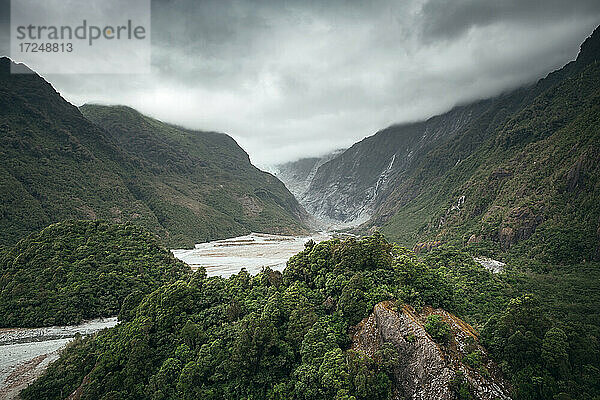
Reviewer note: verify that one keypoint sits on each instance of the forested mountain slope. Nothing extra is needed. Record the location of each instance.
(200, 183)
(186, 186)
(77, 270)
(515, 173)
(529, 186)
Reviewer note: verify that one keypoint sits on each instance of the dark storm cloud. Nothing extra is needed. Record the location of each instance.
(449, 18)
(298, 78)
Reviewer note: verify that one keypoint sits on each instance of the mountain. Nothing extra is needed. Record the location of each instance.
(77, 270)
(186, 186)
(515, 174)
(348, 189)
(201, 183)
(297, 175)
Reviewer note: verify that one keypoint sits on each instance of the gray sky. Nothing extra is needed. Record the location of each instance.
(296, 78)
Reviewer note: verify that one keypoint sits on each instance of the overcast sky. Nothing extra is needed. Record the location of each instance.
(289, 79)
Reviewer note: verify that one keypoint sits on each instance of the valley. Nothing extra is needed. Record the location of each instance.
(510, 176)
(59, 162)
(455, 257)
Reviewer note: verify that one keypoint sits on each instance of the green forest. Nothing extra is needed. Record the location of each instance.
(77, 270)
(286, 335)
(92, 198)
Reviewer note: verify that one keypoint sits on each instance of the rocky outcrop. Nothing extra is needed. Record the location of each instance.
(494, 266)
(428, 370)
(426, 246)
(574, 176)
(77, 393)
(474, 239)
(519, 225)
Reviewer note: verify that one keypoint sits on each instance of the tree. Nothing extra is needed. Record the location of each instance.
(555, 352)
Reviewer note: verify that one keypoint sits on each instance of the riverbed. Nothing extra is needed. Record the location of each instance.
(26, 352)
(252, 252)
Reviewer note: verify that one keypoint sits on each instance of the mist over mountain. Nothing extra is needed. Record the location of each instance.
(114, 163)
(506, 173)
(452, 255)
(298, 175)
(297, 79)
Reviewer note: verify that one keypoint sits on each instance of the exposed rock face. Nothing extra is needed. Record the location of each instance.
(491, 265)
(347, 190)
(474, 239)
(574, 176)
(297, 175)
(519, 225)
(506, 237)
(251, 205)
(426, 370)
(426, 246)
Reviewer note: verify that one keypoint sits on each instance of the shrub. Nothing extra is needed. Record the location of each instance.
(438, 329)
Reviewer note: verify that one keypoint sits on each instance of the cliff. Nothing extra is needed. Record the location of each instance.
(427, 369)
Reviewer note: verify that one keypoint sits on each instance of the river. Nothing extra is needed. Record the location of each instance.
(26, 353)
(252, 252)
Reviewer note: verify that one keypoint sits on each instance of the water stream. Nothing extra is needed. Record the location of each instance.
(26, 352)
(252, 252)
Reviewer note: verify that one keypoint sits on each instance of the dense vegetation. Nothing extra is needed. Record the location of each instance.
(79, 270)
(186, 186)
(525, 162)
(203, 172)
(285, 336)
(530, 190)
(528, 171)
(515, 176)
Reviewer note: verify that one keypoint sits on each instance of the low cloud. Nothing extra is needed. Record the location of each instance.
(300, 78)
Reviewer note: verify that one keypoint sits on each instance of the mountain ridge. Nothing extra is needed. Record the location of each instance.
(410, 191)
(57, 164)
